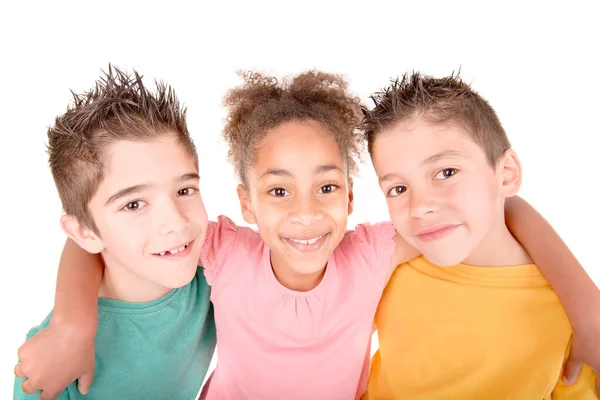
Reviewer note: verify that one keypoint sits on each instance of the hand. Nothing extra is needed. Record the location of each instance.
(55, 357)
(585, 349)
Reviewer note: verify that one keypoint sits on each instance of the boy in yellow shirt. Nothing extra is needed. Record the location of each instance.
(472, 318)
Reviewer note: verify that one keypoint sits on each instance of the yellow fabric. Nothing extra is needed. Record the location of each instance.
(467, 332)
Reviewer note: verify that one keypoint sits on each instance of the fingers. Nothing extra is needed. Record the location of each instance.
(46, 395)
(84, 382)
(571, 371)
(19, 373)
(28, 386)
(22, 352)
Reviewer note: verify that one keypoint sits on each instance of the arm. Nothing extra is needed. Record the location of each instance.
(582, 388)
(578, 294)
(64, 351)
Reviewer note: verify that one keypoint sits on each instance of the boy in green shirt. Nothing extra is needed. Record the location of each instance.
(126, 171)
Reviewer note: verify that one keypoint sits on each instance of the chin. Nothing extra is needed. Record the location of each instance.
(180, 279)
(310, 266)
(447, 259)
(311, 271)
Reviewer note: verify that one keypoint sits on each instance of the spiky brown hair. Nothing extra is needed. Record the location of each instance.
(437, 100)
(119, 107)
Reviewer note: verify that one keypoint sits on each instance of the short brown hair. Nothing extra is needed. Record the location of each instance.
(263, 103)
(119, 107)
(437, 100)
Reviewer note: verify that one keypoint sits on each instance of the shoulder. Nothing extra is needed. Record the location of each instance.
(370, 240)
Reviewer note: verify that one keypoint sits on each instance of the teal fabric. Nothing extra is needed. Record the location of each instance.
(155, 350)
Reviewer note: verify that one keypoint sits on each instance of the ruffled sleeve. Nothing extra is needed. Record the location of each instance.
(220, 240)
(375, 244)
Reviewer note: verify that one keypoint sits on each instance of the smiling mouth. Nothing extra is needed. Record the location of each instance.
(308, 245)
(307, 241)
(437, 233)
(173, 251)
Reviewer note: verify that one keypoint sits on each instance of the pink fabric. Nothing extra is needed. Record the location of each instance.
(274, 343)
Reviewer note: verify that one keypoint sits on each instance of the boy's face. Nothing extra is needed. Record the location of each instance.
(299, 195)
(443, 196)
(150, 216)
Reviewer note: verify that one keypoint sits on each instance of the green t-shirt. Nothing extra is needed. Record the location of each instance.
(155, 350)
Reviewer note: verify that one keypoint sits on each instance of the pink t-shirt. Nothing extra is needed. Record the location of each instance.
(275, 343)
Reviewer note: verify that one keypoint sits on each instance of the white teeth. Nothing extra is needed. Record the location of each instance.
(308, 241)
(173, 251)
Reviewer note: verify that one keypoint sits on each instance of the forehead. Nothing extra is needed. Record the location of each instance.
(417, 140)
(298, 144)
(129, 163)
(420, 136)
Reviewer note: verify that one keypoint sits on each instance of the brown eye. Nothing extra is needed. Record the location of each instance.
(186, 191)
(327, 188)
(449, 172)
(396, 191)
(445, 173)
(278, 192)
(134, 206)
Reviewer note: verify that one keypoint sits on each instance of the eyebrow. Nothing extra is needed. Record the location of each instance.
(429, 160)
(388, 177)
(276, 172)
(319, 170)
(323, 169)
(442, 155)
(140, 188)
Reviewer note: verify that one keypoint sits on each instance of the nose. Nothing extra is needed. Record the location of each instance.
(421, 203)
(306, 211)
(171, 217)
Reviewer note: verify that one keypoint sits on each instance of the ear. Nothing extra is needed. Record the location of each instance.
(350, 196)
(245, 204)
(83, 236)
(509, 174)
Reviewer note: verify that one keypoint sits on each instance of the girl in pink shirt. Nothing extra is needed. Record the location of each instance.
(295, 301)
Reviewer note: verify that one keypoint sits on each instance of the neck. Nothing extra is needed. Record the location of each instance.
(499, 248)
(119, 283)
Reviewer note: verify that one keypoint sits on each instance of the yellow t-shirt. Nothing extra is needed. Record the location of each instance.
(467, 332)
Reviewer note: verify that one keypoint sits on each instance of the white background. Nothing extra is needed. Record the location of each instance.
(535, 63)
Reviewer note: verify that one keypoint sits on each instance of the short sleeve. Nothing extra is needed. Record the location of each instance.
(220, 240)
(375, 243)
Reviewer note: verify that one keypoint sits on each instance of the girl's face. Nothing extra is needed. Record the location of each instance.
(299, 195)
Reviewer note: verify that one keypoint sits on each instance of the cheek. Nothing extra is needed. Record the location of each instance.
(339, 205)
(269, 215)
(126, 244)
(476, 201)
(398, 214)
(337, 210)
(125, 234)
(196, 213)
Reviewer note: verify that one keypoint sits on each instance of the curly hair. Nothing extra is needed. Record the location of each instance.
(119, 107)
(263, 103)
(436, 100)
